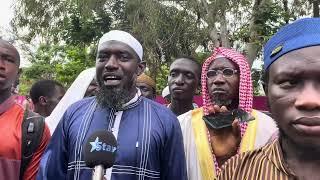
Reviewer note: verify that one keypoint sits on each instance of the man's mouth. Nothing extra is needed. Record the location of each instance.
(2, 76)
(219, 97)
(217, 91)
(308, 125)
(178, 90)
(112, 80)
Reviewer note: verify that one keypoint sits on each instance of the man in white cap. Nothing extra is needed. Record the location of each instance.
(149, 137)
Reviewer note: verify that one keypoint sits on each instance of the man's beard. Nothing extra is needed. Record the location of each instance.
(220, 101)
(112, 97)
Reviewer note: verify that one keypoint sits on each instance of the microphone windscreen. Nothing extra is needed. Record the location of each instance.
(100, 149)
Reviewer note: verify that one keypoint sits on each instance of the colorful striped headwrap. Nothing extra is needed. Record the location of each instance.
(245, 84)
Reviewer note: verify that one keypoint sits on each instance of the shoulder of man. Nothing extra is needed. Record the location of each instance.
(32, 136)
(266, 128)
(33, 126)
(262, 115)
(236, 165)
(82, 103)
(162, 116)
(186, 117)
(80, 106)
(160, 109)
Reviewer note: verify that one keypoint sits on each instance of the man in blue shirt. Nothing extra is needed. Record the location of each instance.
(149, 137)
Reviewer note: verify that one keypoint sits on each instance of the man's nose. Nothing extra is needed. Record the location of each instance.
(309, 98)
(219, 79)
(179, 80)
(112, 63)
(2, 63)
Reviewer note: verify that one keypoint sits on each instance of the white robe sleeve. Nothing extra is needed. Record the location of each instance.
(265, 129)
(192, 161)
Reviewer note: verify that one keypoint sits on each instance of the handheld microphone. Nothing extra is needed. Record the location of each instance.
(100, 152)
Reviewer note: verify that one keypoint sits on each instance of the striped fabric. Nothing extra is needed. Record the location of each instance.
(266, 163)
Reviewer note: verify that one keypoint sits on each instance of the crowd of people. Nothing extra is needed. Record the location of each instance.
(225, 139)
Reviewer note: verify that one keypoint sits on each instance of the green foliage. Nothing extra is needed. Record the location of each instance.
(165, 32)
(69, 30)
(78, 21)
(85, 30)
(268, 20)
(162, 78)
(202, 56)
(61, 63)
(25, 84)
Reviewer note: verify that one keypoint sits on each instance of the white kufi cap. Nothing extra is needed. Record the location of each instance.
(124, 37)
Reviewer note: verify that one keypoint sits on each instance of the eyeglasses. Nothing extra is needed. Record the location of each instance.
(226, 73)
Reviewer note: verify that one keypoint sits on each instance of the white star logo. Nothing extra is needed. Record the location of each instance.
(94, 144)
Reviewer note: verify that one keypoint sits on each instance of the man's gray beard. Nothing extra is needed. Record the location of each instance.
(112, 97)
(220, 102)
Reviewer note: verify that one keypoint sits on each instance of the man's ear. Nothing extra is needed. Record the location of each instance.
(265, 81)
(265, 88)
(42, 100)
(141, 68)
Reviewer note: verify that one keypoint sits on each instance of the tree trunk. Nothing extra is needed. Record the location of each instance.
(315, 5)
(286, 10)
(224, 31)
(252, 47)
(211, 19)
(162, 55)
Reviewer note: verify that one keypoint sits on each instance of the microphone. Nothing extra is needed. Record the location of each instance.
(100, 152)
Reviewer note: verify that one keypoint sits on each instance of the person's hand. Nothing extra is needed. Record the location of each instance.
(225, 141)
(217, 109)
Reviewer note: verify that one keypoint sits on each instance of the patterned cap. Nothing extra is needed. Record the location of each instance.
(299, 34)
(143, 78)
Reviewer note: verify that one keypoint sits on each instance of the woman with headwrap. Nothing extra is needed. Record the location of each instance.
(226, 86)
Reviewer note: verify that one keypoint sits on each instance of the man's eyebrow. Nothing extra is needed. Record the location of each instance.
(181, 70)
(102, 52)
(222, 67)
(124, 51)
(116, 52)
(290, 72)
(6, 55)
(174, 69)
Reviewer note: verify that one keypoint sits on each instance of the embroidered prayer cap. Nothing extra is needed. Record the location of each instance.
(299, 34)
(143, 78)
(124, 37)
(245, 84)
